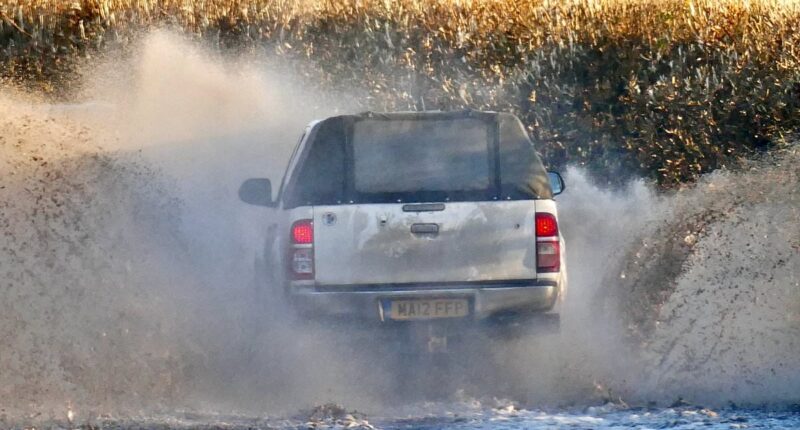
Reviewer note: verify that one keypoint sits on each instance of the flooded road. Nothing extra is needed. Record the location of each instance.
(461, 416)
(133, 282)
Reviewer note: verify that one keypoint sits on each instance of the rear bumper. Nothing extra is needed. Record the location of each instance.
(485, 301)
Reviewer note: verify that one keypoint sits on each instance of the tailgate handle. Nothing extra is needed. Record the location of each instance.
(427, 228)
(424, 207)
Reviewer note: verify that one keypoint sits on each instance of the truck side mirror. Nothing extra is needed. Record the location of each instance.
(556, 183)
(257, 191)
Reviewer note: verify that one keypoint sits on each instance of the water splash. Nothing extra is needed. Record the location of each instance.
(130, 283)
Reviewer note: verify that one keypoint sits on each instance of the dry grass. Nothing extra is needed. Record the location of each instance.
(668, 89)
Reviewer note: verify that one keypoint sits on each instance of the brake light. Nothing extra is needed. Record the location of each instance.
(548, 247)
(303, 232)
(546, 225)
(301, 252)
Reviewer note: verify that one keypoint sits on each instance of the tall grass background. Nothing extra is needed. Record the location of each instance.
(666, 89)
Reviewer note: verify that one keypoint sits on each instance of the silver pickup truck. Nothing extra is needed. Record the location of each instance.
(397, 217)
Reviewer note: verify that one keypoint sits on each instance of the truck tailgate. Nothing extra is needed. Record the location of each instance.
(424, 243)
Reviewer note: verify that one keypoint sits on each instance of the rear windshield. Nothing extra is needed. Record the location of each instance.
(384, 158)
(405, 156)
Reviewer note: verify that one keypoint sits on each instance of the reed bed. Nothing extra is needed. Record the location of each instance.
(664, 89)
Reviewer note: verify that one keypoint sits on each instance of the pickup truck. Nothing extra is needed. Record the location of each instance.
(416, 216)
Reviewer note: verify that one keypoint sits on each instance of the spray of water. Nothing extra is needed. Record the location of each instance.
(129, 261)
(132, 282)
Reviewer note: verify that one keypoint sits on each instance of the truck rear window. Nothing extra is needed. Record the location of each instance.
(408, 156)
(417, 157)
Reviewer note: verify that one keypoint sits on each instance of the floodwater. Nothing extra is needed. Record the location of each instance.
(133, 292)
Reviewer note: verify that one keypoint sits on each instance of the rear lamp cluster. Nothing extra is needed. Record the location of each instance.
(548, 248)
(301, 251)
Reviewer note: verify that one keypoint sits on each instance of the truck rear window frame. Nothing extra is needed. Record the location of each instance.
(529, 184)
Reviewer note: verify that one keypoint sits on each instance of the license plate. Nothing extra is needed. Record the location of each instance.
(419, 309)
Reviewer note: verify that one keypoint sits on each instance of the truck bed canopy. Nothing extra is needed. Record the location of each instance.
(417, 157)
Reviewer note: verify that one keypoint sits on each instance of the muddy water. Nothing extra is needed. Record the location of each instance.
(131, 281)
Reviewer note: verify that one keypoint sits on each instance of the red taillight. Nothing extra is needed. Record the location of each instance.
(303, 232)
(548, 248)
(546, 225)
(301, 254)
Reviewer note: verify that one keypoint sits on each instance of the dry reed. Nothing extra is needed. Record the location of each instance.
(665, 89)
